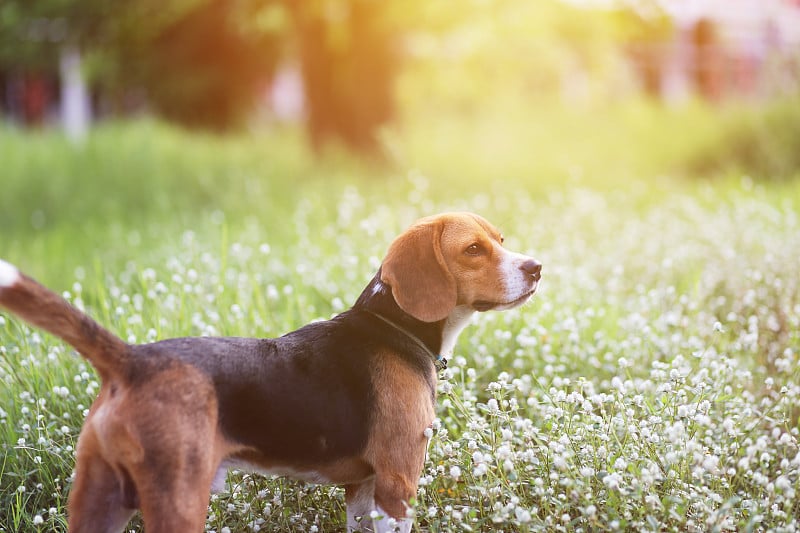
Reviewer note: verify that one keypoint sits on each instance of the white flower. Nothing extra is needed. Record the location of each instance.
(522, 515)
(783, 483)
(38, 520)
(612, 481)
(455, 472)
(504, 452)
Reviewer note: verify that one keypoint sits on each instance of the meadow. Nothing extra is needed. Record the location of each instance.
(652, 384)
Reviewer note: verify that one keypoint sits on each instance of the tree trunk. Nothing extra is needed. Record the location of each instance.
(348, 67)
(75, 106)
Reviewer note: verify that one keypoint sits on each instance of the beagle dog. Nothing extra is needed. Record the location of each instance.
(344, 401)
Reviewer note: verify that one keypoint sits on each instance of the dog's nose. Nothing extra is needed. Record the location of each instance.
(533, 268)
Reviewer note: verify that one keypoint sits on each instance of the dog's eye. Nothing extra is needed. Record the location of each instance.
(502, 239)
(473, 249)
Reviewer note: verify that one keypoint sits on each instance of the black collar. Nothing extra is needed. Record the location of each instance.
(439, 362)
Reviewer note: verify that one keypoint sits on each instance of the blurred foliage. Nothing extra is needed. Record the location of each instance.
(204, 62)
(207, 68)
(763, 143)
(198, 62)
(32, 33)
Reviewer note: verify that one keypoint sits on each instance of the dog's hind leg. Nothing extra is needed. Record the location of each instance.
(175, 488)
(98, 502)
(174, 479)
(182, 509)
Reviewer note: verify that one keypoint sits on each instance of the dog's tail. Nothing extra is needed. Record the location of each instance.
(42, 307)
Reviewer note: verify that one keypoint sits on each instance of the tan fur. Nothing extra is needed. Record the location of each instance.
(397, 445)
(167, 457)
(421, 283)
(429, 290)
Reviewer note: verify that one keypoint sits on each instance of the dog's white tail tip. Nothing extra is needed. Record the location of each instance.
(9, 274)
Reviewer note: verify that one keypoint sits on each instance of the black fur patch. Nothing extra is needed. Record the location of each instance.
(306, 397)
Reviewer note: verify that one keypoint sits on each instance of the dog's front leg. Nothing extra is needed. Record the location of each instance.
(360, 499)
(361, 507)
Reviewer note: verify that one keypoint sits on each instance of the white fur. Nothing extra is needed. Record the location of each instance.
(218, 484)
(518, 283)
(455, 323)
(386, 524)
(359, 508)
(378, 288)
(9, 274)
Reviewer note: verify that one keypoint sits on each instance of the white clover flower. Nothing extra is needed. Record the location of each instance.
(711, 464)
(729, 426)
(783, 483)
(612, 481)
(523, 516)
(504, 452)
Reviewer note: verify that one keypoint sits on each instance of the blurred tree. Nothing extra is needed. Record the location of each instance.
(348, 59)
(207, 68)
(199, 62)
(645, 31)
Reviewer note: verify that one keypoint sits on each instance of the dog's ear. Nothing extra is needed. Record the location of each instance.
(415, 269)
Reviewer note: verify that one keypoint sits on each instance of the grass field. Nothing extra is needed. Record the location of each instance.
(651, 385)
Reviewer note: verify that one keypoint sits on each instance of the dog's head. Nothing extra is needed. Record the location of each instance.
(456, 259)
